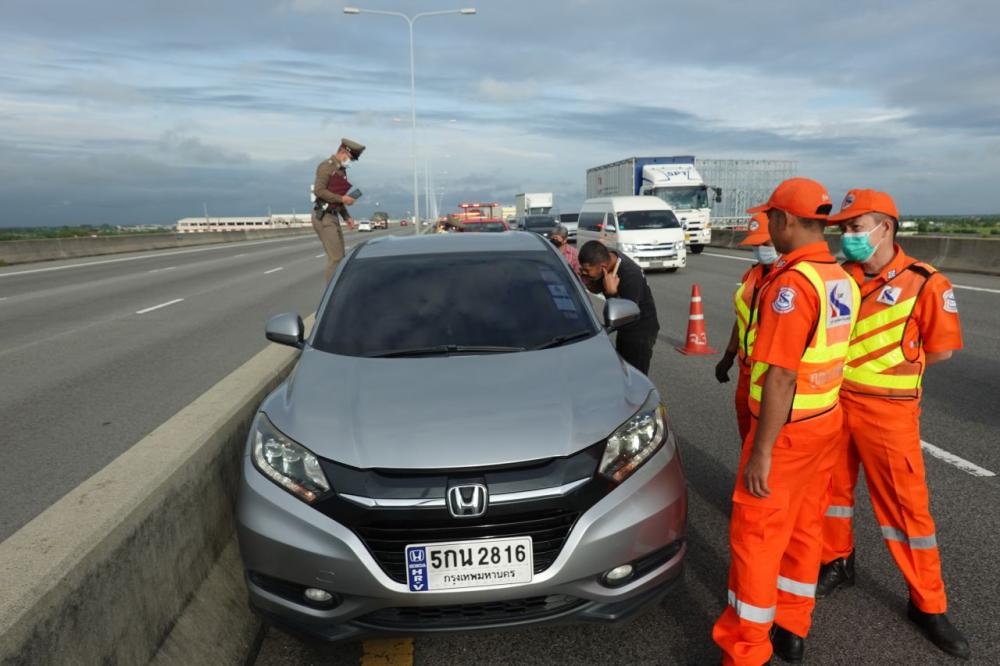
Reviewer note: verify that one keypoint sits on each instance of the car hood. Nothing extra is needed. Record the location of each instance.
(457, 411)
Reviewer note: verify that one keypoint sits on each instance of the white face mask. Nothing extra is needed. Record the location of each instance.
(765, 254)
(344, 162)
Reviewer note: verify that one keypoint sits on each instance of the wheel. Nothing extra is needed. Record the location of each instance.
(696, 249)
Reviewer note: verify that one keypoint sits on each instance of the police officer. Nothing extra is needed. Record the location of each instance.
(740, 343)
(908, 321)
(331, 205)
(806, 309)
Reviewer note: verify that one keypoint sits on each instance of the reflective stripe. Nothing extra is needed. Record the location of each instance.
(751, 613)
(916, 543)
(890, 336)
(797, 588)
(887, 316)
(840, 511)
(869, 378)
(824, 354)
(816, 400)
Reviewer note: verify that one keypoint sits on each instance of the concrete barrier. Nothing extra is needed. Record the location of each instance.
(946, 253)
(24, 251)
(103, 575)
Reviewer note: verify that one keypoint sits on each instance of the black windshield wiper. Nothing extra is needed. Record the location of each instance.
(563, 339)
(443, 350)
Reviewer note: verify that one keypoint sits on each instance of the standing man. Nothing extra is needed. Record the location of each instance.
(560, 238)
(745, 300)
(331, 206)
(607, 272)
(908, 321)
(807, 308)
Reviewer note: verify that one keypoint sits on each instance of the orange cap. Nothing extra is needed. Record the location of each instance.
(802, 197)
(859, 202)
(758, 233)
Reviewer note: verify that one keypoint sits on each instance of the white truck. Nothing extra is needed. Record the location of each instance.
(531, 203)
(673, 179)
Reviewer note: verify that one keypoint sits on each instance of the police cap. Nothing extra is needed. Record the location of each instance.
(353, 147)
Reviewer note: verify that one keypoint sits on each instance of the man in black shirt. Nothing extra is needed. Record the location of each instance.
(613, 274)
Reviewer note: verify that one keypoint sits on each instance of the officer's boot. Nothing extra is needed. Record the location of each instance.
(839, 573)
(941, 632)
(790, 647)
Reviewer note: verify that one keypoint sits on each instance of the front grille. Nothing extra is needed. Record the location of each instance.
(387, 540)
(471, 615)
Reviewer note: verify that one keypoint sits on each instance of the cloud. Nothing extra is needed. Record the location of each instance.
(505, 92)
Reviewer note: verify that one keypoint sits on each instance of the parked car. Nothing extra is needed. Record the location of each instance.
(484, 225)
(644, 228)
(364, 225)
(540, 224)
(368, 506)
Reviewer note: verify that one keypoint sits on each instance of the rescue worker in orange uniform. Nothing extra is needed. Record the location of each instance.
(740, 344)
(908, 321)
(806, 309)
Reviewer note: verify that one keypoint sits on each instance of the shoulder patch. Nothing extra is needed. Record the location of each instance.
(784, 302)
(841, 300)
(950, 304)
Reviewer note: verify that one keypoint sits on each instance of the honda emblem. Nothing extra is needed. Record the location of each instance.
(468, 501)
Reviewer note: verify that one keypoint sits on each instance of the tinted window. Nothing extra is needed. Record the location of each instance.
(381, 305)
(539, 222)
(647, 219)
(590, 221)
(485, 226)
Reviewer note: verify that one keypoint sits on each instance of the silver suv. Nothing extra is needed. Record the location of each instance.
(458, 447)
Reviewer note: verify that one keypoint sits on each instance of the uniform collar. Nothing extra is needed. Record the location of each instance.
(889, 272)
(818, 251)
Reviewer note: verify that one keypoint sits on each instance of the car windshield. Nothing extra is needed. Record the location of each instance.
(487, 301)
(539, 222)
(485, 226)
(647, 219)
(684, 198)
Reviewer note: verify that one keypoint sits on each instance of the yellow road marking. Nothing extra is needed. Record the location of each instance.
(388, 652)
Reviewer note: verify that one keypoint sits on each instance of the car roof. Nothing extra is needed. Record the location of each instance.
(397, 246)
(626, 203)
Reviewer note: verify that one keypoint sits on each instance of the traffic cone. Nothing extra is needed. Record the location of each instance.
(697, 338)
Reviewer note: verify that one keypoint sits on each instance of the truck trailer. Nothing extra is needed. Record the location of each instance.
(673, 179)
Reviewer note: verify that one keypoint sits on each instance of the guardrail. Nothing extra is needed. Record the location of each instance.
(25, 251)
(947, 253)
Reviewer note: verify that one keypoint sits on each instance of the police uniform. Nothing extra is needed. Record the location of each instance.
(806, 310)
(329, 207)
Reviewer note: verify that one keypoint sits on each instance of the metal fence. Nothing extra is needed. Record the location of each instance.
(744, 183)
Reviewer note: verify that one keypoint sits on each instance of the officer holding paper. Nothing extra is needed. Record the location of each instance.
(332, 199)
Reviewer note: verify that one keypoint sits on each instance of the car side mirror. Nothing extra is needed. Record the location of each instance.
(619, 312)
(610, 227)
(286, 329)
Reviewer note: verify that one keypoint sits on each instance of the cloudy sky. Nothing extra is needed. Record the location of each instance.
(144, 111)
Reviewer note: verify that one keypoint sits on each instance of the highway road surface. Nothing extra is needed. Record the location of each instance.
(95, 353)
(862, 625)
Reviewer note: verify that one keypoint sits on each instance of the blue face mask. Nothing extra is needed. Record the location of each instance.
(857, 245)
(765, 254)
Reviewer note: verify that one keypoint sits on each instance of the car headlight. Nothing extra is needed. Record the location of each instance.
(679, 245)
(289, 464)
(627, 247)
(635, 441)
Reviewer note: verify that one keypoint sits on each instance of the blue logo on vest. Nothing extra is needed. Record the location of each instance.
(840, 303)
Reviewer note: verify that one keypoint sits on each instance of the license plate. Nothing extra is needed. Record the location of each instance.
(461, 564)
(656, 264)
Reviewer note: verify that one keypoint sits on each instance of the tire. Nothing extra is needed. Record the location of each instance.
(696, 249)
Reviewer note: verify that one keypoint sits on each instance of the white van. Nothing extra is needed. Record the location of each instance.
(644, 228)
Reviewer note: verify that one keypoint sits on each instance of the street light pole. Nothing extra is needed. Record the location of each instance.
(413, 89)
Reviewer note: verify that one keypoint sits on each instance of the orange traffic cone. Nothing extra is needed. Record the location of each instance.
(697, 338)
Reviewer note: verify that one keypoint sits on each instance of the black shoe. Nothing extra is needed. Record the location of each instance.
(839, 573)
(790, 647)
(941, 632)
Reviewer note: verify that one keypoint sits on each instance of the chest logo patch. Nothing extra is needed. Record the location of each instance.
(889, 295)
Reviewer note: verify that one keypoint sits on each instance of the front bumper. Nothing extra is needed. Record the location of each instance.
(282, 538)
(698, 236)
(653, 261)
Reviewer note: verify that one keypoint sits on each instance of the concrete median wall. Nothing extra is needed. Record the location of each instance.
(103, 575)
(946, 253)
(25, 251)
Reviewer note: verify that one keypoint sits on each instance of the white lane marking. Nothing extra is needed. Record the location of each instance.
(952, 459)
(160, 270)
(240, 255)
(220, 246)
(157, 307)
(727, 256)
(320, 256)
(274, 270)
(962, 286)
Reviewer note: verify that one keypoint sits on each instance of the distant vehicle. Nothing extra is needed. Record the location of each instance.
(571, 222)
(540, 478)
(540, 224)
(673, 179)
(485, 226)
(644, 228)
(404, 222)
(380, 220)
(365, 225)
(532, 203)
